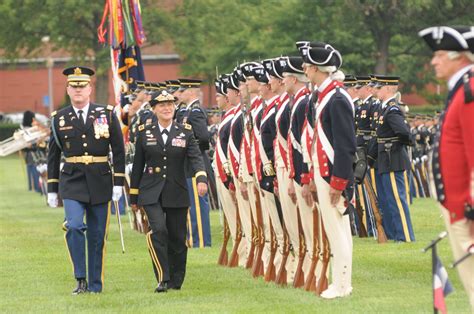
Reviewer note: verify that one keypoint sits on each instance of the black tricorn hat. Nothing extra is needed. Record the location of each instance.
(292, 64)
(321, 54)
(261, 75)
(272, 66)
(450, 38)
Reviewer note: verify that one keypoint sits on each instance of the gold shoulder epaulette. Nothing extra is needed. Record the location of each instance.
(188, 126)
(141, 127)
(110, 107)
(53, 113)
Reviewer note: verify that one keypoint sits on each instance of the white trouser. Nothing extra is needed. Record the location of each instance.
(290, 218)
(269, 203)
(460, 240)
(246, 221)
(339, 236)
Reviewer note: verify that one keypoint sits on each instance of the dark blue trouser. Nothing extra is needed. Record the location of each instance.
(396, 213)
(97, 221)
(33, 178)
(199, 230)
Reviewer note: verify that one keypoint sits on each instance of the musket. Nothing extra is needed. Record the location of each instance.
(270, 273)
(362, 231)
(234, 256)
(281, 278)
(298, 281)
(322, 283)
(257, 267)
(381, 236)
(223, 256)
(119, 221)
(249, 263)
(310, 284)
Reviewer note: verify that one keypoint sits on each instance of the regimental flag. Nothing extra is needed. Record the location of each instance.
(130, 67)
(441, 285)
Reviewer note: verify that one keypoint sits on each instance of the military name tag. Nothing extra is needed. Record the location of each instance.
(64, 128)
(178, 142)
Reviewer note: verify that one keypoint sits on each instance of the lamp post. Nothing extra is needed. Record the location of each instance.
(49, 65)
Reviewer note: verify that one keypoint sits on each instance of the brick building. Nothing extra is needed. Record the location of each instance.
(24, 85)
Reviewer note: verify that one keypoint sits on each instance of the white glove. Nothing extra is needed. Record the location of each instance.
(53, 199)
(117, 193)
(424, 158)
(128, 169)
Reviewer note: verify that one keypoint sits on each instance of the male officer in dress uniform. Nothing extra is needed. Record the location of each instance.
(333, 156)
(453, 156)
(194, 115)
(84, 133)
(393, 135)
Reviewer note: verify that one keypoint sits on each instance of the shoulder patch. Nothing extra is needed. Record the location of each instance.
(188, 126)
(53, 113)
(394, 108)
(141, 127)
(110, 107)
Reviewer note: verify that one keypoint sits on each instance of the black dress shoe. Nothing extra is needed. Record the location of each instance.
(81, 287)
(162, 287)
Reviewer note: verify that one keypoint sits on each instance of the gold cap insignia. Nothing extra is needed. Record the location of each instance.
(77, 71)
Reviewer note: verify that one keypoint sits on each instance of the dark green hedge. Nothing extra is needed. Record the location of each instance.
(7, 129)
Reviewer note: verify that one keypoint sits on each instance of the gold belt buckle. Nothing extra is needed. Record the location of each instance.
(87, 159)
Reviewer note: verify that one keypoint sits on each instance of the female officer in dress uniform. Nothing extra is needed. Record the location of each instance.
(158, 183)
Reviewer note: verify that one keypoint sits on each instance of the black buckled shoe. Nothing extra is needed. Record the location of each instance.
(81, 287)
(162, 287)
(173, 286)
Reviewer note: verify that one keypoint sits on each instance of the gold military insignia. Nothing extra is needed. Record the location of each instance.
(381, 120)
(188, 126)
(141, 127)
(77, 71)
(148, 121)
(53, 113)
(61, 122)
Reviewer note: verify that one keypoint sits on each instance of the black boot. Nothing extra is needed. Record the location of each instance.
(162, 287)
(81, 287)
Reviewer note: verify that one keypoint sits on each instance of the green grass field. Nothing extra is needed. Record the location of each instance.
(36, 274)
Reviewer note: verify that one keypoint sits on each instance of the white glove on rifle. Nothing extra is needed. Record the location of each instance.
(117, 193)
(53, 199)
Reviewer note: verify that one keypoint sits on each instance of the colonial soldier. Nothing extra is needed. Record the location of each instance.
(266, 174)
(84, 133)
(158, 183)
(288, 208)
(333, 157)
(393, 135)
(453, 158)
(295, 85)
(195, 116)
(241, 250)
(224, 182)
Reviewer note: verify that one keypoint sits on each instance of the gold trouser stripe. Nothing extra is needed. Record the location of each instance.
(362, 204)
(105, 243)
(198, 213)
(190, 229)
(400, 207)
(67, 246)
(53, 180)
(154, 258)
(372, 176)
(415, 183)
(407, 186)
